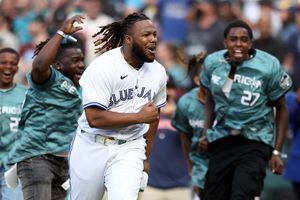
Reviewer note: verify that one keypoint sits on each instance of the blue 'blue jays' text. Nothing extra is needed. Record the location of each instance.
(128, 94)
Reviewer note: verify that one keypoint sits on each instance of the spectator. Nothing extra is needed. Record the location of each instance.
(94, 18)
(172, 57)
(294, 50)
(205, 30)
(172, 18)
(267, 42)
(22, 21)
(7, 37)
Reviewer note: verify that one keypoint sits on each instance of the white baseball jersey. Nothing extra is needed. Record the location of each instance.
(110, 83)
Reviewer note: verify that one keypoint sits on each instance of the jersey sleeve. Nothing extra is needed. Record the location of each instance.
(180, 119)
(96, 86)
(47, 84)
(205, 76)
(161, 97)
(279, 82)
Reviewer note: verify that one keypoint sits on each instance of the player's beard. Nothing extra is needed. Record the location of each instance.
(139, 53)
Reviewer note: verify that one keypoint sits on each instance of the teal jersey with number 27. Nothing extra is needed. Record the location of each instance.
(258, 81)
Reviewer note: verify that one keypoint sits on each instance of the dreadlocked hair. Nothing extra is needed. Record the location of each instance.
(39, 47)
(195, 64)
(112, 35)
(65, 44)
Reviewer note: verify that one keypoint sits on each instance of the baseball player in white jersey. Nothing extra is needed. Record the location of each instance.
(123, 90)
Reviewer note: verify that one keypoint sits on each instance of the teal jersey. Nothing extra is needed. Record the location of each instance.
(257, 82)
(10, 110)
(189, 119)
(49, 118)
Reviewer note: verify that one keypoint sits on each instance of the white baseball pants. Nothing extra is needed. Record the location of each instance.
(95, 167)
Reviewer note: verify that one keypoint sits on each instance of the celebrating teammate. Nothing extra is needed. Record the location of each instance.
(243, 86)
(189, 120)
(12, 96)
(49, 117)
(123, 90)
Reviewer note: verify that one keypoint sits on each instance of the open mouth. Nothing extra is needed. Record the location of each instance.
(7, 74)
(78, 75)
(238, 53)
(152, 49)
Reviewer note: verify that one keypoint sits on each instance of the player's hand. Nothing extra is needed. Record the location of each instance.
(277, 165)
(68, 26)
(149, 113)
(203, 143)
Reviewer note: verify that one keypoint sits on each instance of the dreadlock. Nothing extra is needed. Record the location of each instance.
(65, 44)
(39, 47)
(113, 34)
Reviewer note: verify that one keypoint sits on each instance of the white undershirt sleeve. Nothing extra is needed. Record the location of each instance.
(227, 86)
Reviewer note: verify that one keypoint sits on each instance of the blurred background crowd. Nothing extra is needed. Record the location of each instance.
(186, 27)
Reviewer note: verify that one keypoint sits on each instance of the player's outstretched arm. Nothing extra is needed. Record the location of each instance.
(41, 64)
(281, 128)
(98, 118)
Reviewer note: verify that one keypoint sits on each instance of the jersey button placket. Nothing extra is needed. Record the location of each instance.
(135, 89)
